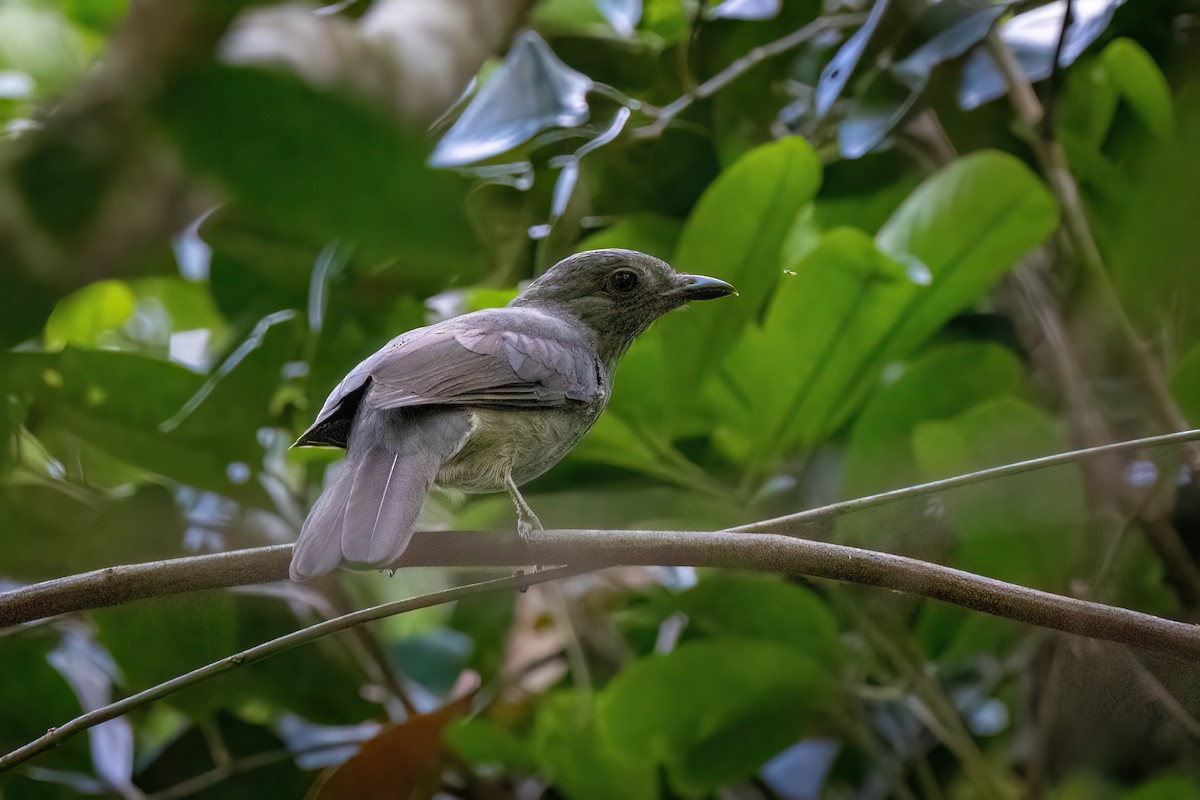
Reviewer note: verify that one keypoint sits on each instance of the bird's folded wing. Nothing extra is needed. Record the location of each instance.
(482, 366)
(522, 359)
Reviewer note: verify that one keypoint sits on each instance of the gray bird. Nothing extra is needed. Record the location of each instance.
(483, 402)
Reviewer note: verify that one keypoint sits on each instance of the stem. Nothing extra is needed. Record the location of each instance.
(739, 67)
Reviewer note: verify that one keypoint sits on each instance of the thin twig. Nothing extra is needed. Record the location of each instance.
(736, 69)
(816, 520)
(1056, 72)
(56, 736)
(216, 775)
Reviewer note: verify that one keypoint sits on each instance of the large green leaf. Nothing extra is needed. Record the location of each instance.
(713, 711)
(822, 328)
(315, 167)
(582, 765)
(1142, 85)
(156, 641)
(649, 233)
(1024, 528)
(943, 383)
(50, 531)
(117, 401)
(735, 233)
(730, 605)
(82, 316)
(968, 225)
(852, 305)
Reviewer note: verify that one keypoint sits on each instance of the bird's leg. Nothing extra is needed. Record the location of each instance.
(527, 521)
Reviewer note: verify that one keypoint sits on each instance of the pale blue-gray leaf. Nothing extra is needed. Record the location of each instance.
(913, 70)
(622, 15)
(1033, 39)
(745, 9)
(532, 91)
(838, 71)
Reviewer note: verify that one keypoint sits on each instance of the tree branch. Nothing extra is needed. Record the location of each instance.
(122, 584)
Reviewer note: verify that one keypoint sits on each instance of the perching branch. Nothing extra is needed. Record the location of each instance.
(762, 552)
(56, 736)
(741, 548)
(122, 584)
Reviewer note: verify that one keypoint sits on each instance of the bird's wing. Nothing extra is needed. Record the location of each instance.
(519, 358)
(505, 357)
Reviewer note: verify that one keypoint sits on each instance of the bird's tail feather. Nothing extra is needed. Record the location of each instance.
(366, 514)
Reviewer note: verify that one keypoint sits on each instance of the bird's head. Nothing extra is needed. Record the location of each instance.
(617, 293)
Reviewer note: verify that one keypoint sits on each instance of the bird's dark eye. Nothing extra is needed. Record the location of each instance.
(624, 280)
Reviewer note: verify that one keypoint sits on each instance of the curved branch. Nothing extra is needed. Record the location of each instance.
(756, 551)
(115, 585)
(591, 549)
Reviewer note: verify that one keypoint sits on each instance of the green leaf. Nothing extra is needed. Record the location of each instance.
(80, 317)
(849, 309)
(735, 233)
(48, 533)
(731, 605)
(968, 224)
(943, 383)
(1023, 528)
(1185, 384)
(812, 355)
(1141, 83)
(154, 642)
(190, 303)
(480, 742)
(1170, 787)
(713, 711)
(581, 764)
(33, 696)
(42, 43)
(116, 401)
(315, 167)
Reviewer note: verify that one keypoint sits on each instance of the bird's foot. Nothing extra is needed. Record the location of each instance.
(527, 523)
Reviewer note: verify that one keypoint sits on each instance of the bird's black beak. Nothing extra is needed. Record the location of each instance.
(699, 287)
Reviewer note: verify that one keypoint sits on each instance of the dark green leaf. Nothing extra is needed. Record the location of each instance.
(733, 606)
(944, 383)
(582, 764)
(317, 167)
(688, 709)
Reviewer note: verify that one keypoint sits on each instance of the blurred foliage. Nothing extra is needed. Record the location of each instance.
(195, 251)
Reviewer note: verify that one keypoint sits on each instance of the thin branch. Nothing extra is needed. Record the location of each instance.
(1056, 72)
(739, 67)
(216, 775)
(816, 520)
(123, 584)
(56, 736)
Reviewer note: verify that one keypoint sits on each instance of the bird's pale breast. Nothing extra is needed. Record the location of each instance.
(533, 441)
